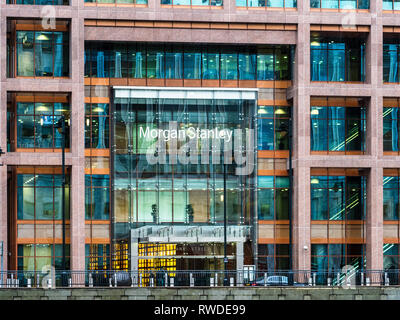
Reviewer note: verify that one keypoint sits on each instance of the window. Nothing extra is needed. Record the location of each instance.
(337, 60)
(391, 128)
(150, 61)
(97, 197)
(391, 198)
(267, 3)
(214, 3)
(97, 124)
(330, 259)
(37, 124)
(273, 198)
(41, 257)
(340, 4)
(338, 197)
(391, 257)
(338, 129)
(273, 128)
(42, 53)
(39, 196)
(117, 2)
(391, 59)
(39, 2)
(391, 5)
(97, 257)
(273, 257)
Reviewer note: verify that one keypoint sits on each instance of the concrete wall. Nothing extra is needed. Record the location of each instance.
(361, 293)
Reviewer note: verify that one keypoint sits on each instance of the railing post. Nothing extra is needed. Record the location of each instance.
(314, 279)
(216, 279)
(362, 278)
(133, 278)
(110, 282)
(166, 279)
(191, 279)
(29, 283)
(171, 282)
(115, 280)
(240, 276)
(232, 282)
(211, 282)
(329, 282)
(90, 280)
(70, 282)
(338, 279)
(37, 280)
(265, 279)
(140, 280)
(367, 282)
(151, 282)
(387, 282)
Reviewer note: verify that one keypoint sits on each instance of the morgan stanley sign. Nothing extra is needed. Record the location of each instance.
(201, 146)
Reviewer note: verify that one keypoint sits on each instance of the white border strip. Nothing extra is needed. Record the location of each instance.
(185, 93)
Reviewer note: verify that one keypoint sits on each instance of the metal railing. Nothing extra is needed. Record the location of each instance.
(211, 278)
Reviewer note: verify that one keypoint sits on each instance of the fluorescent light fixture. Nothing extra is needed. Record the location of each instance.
(98, 109)
(42, 37)
(42, 108)
(280, 111)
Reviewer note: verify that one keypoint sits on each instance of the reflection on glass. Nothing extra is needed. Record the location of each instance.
(342, 198)
(338, 128)
(188, 62)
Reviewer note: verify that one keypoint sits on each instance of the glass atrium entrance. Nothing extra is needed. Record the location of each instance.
(184, 163)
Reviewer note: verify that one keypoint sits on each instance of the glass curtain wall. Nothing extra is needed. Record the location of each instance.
(42, 54)
(333, 259)
(338, 128)
(391, 198)
(391, 58)
(273, 257)
(337, 59)
(142, 60)
(142, 2)
(267, 3)
(340, 4)
(338, 198)
(391, 5)
(273, 128)
(214, 3)
(36, 124)
(391, 129)
(97, 124)
(273, 198)
(177, 193)
(39, 2)
(39, 212)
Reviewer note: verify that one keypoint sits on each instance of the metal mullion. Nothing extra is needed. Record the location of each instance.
(53, 45)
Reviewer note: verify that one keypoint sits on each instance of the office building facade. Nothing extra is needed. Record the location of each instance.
(263, 131)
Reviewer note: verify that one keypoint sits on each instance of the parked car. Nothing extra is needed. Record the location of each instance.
(273, 281)
(276, 281)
